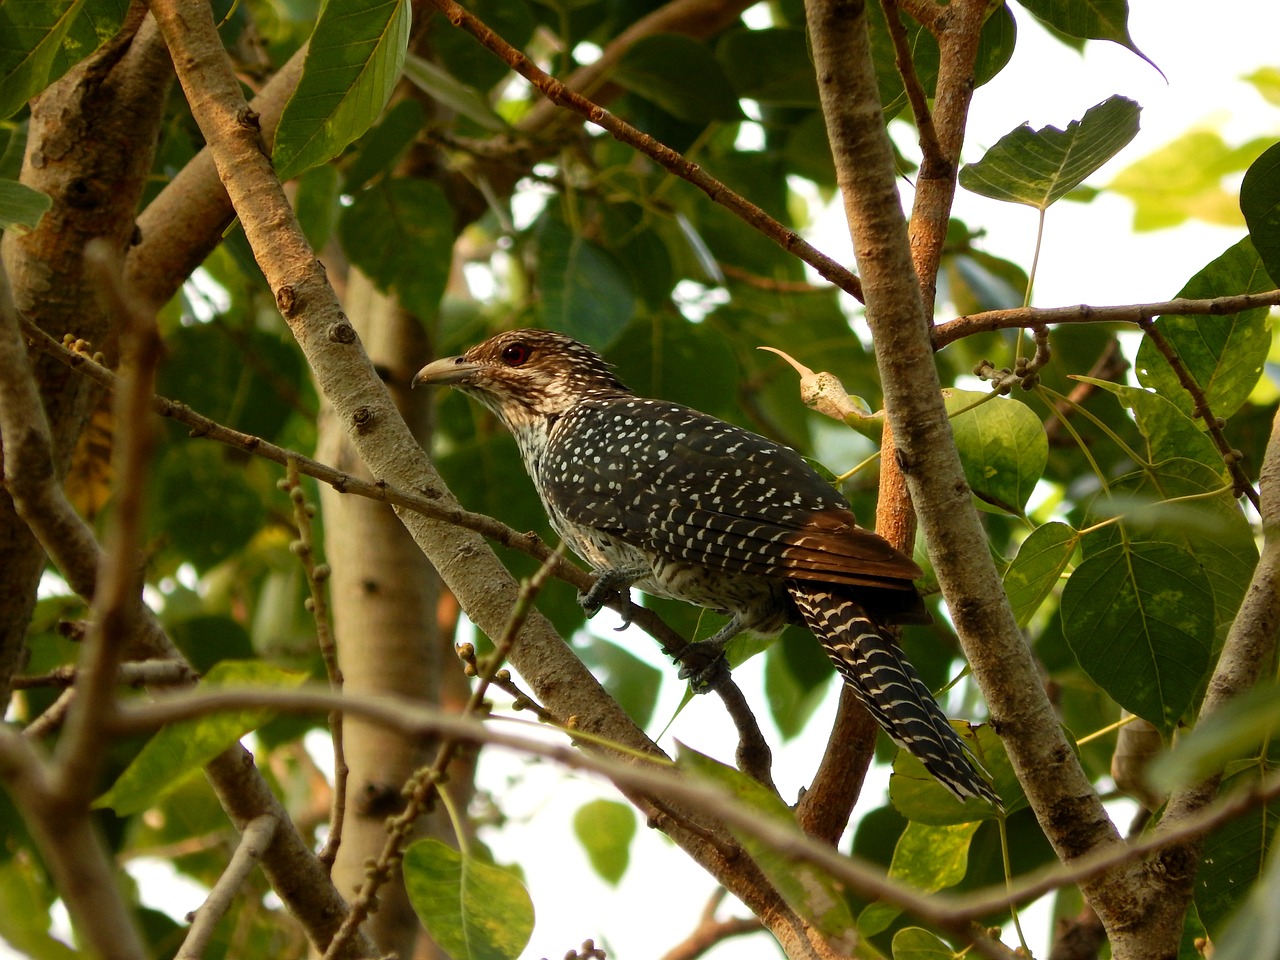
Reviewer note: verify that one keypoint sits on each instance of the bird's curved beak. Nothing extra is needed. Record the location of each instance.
(446, 370)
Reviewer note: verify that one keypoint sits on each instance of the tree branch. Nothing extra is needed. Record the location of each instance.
(253, 841)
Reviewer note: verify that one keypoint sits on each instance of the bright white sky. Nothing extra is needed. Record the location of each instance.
(1090, 255)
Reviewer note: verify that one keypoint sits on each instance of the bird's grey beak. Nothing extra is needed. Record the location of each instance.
(447, 370)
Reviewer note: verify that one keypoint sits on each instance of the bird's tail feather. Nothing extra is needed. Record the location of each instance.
(884, 680)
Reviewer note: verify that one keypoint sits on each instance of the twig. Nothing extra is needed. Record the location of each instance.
(113, 619)
(930, 149)
(422, 786)
(952, 330)
(317, 605)
(1200, 408)
(664, 156)
(253, 841)
(710, 932)
(947, 910)
(144, 673)
(53, 717)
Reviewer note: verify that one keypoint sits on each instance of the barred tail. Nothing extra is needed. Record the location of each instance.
(886, 683)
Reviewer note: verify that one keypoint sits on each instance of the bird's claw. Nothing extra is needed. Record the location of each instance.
(704, 665)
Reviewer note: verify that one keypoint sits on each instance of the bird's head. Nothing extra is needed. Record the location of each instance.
(523, 375)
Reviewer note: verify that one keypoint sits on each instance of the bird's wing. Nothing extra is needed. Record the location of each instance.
(693, 488)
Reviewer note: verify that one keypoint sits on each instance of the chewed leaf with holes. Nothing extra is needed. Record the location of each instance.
(1038, 167)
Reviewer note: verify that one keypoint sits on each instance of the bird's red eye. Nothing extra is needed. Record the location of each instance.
(516, 355)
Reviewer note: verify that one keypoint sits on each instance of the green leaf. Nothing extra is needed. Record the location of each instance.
(922, 799)
(916, 943)
(771, 66)
(1002, 447)
(21, 207)
(33, 35)
(796, 676)
(681, 76)
(352, 65)
(383, 146)
(1224, 354)
(1037, 167)
(605, 829)
(1260, 204)
(316, 204)
(1088, 20)
(629, 680)
(927, 857)
(464, 56)
(181, 749)
(1139, 616)
(473, 910)
(441, 86)
(1035, 571)
(586, 293)
(813, 894)
(1169, 432)
(400, 233)
(1266, 80)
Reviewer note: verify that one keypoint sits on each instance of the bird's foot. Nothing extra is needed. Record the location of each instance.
(703, 664)
(610, 583)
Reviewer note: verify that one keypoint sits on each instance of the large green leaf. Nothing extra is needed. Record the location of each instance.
(629, 680)
(473, 910)
(770, 66)
(927, 857)
(1260, 204)
(1038, 167)
(1253, 932)
(400, 233)
(1224, 354)
(812, 893)
(182, 748)
(1242, 728)
(1037, 568)
(352, 65)
(25, 899)
(1139, 616)
(796, 675)
(681, 76)
(605, 828)
(1168, 430)
(586, 293)
(1088, 20)
(1002, 447)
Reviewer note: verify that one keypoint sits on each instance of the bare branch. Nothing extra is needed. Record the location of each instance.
(253, 841)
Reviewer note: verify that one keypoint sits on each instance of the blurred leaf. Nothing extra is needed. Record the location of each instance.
(586, 293)
(1188, 178)
(1139, 618)
(441, 86)
(464, 56)
(181, 749)
(25, 899)
(796, 676)
(605, 828)
(1002, 446)
(1224, 354)
(1266, 80)
(353, 63)
(1260, 204)
(1234, 856)
(1042, 558)
(929, 858)
(629, 680)
(316, 204)
(209, 638)
(771, 66)
(680, 75)
(808, 890)
(916, 943)
(1037, 167)
(383, 146)
(1253, 933)
(1242, 728)
(473, 910)
(400, 233)
(21, 207)
(1088, 20)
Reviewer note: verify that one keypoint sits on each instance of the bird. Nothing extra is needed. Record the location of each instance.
(677, 503)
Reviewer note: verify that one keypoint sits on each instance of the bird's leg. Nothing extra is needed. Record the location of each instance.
(702, 663)
(610, 582)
